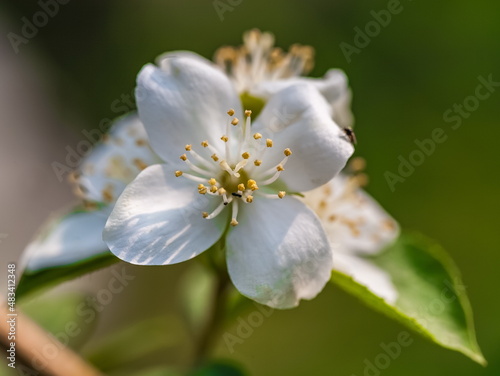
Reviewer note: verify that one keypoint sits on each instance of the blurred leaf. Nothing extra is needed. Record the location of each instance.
(219, 368)
(431, 297)
(133, 343)
(33, 281)
(68, 245)
(69, 317)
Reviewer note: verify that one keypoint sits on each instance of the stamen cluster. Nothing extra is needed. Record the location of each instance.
(231, 177)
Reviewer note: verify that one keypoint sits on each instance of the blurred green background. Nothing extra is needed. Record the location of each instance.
(428, 58)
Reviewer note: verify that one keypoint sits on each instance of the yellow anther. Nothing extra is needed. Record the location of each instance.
(204, 144)
(230, 112)
(241, 187)
(234, 222)
(252, 184)
(224, 138)
(204, 214)
(257, 136)
(361, 179)
(269, 143)
(202, 189)
(245, 155)
(215, 157)
(257, 162)
(212, 181)
(187, 147)
(213, 189)
(287, 152)
(222, 191)
(183, 157)
(248, 113)
(235, 121)
(139, 163)
(357, 164)
(249, 199)
(178, 173)
(107, 193)
(281, 194)
(280, 168)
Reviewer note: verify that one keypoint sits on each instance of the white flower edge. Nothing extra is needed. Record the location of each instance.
(334, 86)
(76, 235)
(114, 161)
(66, 239)
(357, 228)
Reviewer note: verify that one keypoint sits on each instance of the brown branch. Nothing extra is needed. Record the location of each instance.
(40, 350)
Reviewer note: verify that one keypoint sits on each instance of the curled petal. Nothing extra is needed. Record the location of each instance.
(333, 86)
(298, 118)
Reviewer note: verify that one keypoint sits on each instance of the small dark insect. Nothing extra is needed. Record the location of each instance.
(237, 195)
(350, 135)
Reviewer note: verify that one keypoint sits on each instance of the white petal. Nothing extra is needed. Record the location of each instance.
(158, 220)
(354, 222)
(278, 254)
(185, 102)
(115, 161)
(66, 240)
(163, 63)
(298, 118)
(333, 86)
(367, 274)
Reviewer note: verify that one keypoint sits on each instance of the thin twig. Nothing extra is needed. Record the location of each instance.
(40, 350)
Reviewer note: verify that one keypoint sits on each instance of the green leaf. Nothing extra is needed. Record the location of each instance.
(431, 296)
(33, 281)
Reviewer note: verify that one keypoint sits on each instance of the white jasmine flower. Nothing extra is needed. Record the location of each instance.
(259, 69)
(226, 176)
(357, 228)
(102, 176)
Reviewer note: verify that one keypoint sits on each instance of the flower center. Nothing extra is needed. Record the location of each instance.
(236, 174)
